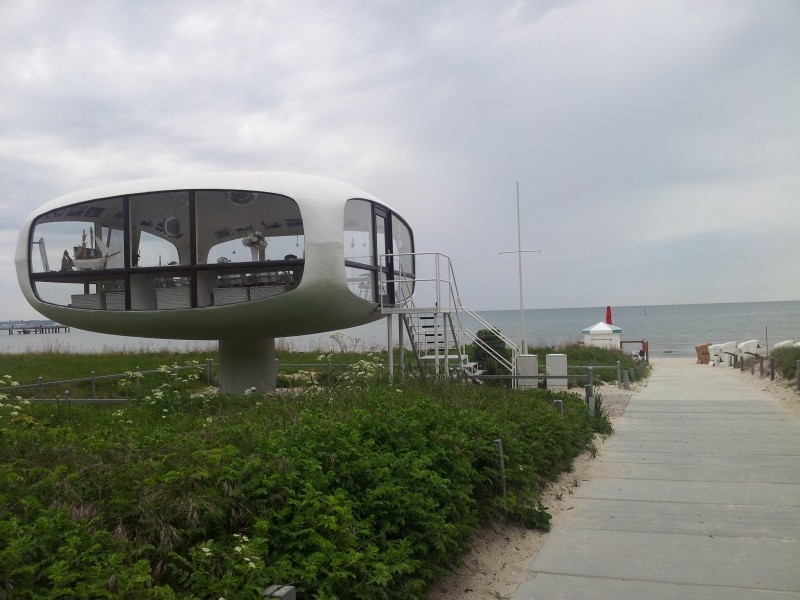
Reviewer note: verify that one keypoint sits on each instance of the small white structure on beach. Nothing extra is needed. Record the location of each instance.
(751, 347)
(602, 335)
(239, 257)
(784, 344)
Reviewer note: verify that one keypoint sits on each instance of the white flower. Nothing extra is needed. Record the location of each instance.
(236, 535)
(245, 538)
(238, 549)
(252, 566)
(26, 401)
(206, 550)
(13, 413)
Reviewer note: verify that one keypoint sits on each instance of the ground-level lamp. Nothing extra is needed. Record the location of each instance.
(519, 251)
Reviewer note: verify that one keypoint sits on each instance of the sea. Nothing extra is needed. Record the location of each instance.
(671, 330)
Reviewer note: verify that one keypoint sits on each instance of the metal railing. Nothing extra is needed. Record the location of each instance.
(209, 366)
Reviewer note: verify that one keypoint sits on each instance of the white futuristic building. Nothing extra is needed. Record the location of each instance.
(240, 257)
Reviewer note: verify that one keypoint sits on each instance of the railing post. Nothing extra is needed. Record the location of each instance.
(69, 404)
(772, 368)
(499, 443)
(741, 364)
(626, 383)
(389, 344)
(175, 377)
(93, 386)
(591, 380)
(329, 371)
(798, 375)
(761, 365)
(619, 378)
(41, 388)
(753, 366)
(137, 381)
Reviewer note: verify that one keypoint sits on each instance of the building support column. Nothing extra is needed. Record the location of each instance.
(246, 364)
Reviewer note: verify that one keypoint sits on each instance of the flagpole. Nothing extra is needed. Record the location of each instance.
(519, 251)
(523, 349)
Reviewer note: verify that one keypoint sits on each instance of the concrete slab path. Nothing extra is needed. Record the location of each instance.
(696, 496)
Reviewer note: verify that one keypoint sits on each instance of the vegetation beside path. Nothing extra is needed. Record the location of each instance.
(358, 490)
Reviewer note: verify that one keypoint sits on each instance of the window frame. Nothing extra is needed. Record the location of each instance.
(127, 270)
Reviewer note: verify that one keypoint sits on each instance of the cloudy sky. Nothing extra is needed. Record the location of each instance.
(656, 144)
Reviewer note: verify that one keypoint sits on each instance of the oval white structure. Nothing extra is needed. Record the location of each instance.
(230, 256)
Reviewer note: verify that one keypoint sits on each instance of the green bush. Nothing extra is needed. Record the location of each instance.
(366, 492)
(786, 361)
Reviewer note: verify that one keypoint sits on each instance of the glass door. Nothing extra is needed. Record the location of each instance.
(383, 245)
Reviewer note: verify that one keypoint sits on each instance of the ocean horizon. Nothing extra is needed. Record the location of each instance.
(671, 329)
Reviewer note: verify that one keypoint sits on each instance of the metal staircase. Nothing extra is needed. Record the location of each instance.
(436, 328)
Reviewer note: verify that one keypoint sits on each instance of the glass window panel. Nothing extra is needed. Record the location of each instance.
(93, 295)
(360, 282)
(238, 226)
(358, 232)
(81, 237)
(160, 229)
(402, 244)
(232, 286)
(160, 291)
(380, 237)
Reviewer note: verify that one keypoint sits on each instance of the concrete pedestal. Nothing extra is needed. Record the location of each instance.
(527, 364)
(244, 364)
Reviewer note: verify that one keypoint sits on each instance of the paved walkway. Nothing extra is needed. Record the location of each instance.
(696, 496)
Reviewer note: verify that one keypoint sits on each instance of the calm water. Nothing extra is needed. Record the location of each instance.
(672, 330)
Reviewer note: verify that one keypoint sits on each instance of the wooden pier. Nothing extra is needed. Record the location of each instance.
(30, 329)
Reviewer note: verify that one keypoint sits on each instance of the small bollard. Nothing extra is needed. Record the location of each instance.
(753, 366)
(93, 387)
(633, 375)
(137, 381)
(41, 388)
(591, 406)
(772, 368)
(619, 378)
(741, 365)
(626, 384)
(286, 592)
(69, 404)
(559, 404)
(761, 365)
(735, 361)
(499, 443)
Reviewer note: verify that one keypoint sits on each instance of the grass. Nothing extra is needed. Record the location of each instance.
(786, 361)
(582, 355)
(358, 490)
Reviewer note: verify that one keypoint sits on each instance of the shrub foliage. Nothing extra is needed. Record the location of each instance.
(361, 492)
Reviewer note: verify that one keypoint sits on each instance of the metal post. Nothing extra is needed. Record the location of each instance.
(401, 357)
(619, 378)
(591, 380)
(93, 386)
(175, 377)
(329, 370)
(559, 404)
(761, 365)
(446, 350)
(208, 371)
(798, 375)
(436, 339)
(626, 383)
(753, 366)
(69, 404)
(741, 364)
(633, 375)
(389, 345)
(499, 443)
(137, 381)
(772, 368)
(41, 388)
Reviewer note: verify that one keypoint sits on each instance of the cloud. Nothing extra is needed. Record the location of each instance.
(628, 124)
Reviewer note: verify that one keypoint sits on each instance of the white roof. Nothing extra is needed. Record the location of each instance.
(602, 328)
